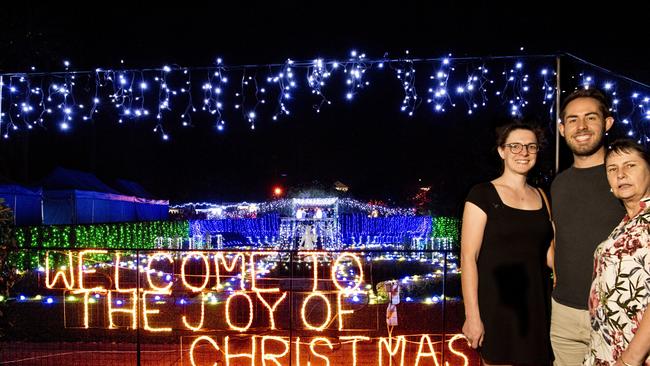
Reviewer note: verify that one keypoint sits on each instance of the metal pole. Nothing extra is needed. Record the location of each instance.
(558, 91)
(2, 84)
(137, 306)
(15, 207)
(444, 305)
(291, 308)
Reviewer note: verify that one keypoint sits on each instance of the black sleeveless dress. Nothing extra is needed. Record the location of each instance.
(514, 283)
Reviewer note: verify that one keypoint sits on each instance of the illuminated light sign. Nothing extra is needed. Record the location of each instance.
(69, 283)
(354, 340)
(230, 356)
(358, 279)
(157, 257)
(87, 300)
(342, 312)
(387, 344)
(303, 311)
(267, 356)
(132, 312)
(81, 269)
(270, 308)
(314, 258)
(283, 351)
(146, 312)
(206, 278)
(256, 298)
(196, 341)
(431, 353)
(313, 344)
(116, 276)
(219, 257)
(250, 311)
(198, 327)
(455, 351)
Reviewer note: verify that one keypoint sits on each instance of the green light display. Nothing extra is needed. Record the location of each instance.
(125, 236)
(446, 227)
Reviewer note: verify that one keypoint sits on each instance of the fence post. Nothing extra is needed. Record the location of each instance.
(291, 308)
(444, 304)
(137, 306)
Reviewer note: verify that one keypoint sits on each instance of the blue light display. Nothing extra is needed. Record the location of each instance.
(359, 229)
(246, 231)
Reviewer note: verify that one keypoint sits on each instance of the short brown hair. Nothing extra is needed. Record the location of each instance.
(504, 131)
(593, 93)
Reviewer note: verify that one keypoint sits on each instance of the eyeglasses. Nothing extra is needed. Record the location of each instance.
(516, 147)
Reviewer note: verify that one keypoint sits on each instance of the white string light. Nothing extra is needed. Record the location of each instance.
(68, 98)
(242, 208)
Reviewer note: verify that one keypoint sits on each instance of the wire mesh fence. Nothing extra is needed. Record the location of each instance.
(234, 307)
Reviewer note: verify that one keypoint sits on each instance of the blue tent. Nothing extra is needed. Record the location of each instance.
(26, 203)
(73, 197)
(131, 188)
(147, 207)
(65, 179)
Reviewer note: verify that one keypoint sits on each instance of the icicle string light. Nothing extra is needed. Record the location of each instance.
(173, 96)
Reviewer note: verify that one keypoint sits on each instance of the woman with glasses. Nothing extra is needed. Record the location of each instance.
(505, 241)
(620, 290)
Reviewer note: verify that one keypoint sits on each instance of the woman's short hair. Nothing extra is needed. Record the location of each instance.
(627, 146)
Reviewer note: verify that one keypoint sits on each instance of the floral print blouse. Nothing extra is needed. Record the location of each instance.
(620, 291)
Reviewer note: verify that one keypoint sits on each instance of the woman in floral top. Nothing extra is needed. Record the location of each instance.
(620, 291)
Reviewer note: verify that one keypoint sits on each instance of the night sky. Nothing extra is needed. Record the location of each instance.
(368, 144)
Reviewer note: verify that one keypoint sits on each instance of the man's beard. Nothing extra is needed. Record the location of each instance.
(587, 150)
